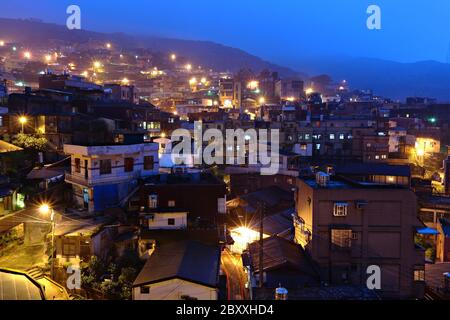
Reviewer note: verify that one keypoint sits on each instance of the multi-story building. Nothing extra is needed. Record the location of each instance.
(200, 197)
(122, 92)
(104, 176)
(348, 226)
(289, 89)
(230, 93)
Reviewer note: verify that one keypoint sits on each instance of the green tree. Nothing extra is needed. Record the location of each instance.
(29, 141)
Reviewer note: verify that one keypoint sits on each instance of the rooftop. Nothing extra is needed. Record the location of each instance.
(341, 183)
(188, 260)
(382, 169)
(279, 252)
(16, 285)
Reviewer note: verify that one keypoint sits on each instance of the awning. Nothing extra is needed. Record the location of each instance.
(427, 231)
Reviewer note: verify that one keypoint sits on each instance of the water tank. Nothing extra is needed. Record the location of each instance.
(281, 293)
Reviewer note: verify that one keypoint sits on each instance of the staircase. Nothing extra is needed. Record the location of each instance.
(35, 272)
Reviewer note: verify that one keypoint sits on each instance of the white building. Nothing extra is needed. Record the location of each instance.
(185, 270)
(104, 176)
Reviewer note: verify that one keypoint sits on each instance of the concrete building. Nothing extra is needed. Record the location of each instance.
(104, 176)
(348, 226)
(289, 89)
(187, 270)
(122, 92)
(230, 93)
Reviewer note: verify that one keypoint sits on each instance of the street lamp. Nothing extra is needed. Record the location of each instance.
(23, 120)
(45, 209)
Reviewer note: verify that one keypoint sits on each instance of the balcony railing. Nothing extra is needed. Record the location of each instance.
(103, 179)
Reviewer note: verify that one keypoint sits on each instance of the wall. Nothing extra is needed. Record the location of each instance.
(174, 290)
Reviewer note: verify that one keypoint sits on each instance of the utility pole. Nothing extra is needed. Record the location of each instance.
(262, 210)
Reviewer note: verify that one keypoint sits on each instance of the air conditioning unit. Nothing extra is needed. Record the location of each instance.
(322, 179)
(361, 204)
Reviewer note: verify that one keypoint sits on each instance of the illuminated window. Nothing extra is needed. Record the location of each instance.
(419, 274)
(341, 238)
(153, 201)
(332, 136)
(340, 209)
(171, 204)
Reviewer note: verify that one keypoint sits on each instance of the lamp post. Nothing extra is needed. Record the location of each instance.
(23, 120)
(46, 209)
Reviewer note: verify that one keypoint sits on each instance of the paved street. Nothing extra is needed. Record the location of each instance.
(236, 277)
(21, 257)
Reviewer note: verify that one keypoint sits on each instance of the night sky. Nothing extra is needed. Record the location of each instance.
(278, 30)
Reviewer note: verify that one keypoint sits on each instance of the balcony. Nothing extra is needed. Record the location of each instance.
(102, 180)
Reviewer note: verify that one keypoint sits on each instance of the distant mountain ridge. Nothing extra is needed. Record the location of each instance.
(387, 78)
(205, 53)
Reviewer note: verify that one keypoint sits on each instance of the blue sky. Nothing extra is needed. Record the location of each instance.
(277, 30)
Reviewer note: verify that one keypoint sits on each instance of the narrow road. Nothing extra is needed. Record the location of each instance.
(236, 277)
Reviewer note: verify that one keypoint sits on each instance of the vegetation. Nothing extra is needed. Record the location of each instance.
(28, 141)
(113, 280)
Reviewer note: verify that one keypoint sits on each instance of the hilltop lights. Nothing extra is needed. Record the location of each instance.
(253, 85)
(173, 57)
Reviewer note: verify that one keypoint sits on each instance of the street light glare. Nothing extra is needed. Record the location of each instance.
(23, 120)
(44, 208)
(27, 55)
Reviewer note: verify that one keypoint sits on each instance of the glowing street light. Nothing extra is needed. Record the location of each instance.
(253, 85)
(27, 55)
(46, 209)
(173, 57)
(2, 43)
(309, 91)
(262, 100)
(125, 81)
(23, 120)
(188, 67)
(97, 64)
(48, 58)
(108, 45)
(193, 81)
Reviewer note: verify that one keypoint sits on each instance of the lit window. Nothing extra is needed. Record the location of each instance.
(153, 201)
(340, 209)
(145, 290)
(341, 137)
(332, 136)
(171, 204)
(341, 238)
(419, 275)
